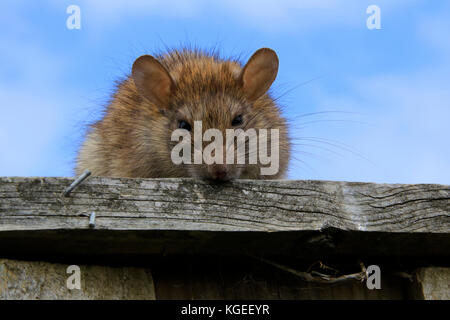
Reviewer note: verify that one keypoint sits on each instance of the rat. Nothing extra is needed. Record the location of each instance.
(170, 91)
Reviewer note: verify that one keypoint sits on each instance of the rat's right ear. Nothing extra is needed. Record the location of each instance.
(152, 80)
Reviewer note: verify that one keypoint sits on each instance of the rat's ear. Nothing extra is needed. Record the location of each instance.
(152, 80)
(259, 73)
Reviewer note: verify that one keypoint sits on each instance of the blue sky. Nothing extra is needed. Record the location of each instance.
(380, 98)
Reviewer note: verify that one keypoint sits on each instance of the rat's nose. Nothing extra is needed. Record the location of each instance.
(218, 172)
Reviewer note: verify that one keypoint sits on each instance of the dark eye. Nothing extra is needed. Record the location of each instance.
(237, 121)
(184, 125)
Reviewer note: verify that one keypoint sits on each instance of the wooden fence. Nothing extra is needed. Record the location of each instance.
(184, 238)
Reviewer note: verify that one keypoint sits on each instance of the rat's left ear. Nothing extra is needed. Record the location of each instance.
(259, 73)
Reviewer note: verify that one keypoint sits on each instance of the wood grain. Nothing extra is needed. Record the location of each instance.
(136, 216)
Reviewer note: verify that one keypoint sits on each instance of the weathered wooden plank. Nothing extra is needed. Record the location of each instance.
(37, 280)
(174, 204)
(238, 278)
(154, 215)
(432, 283)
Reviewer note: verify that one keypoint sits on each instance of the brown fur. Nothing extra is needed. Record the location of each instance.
(133, 139)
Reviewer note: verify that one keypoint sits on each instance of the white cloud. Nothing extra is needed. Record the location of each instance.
(105, 11)
(34, 107)
(268, 16)
(407, 136)
(29, 125)
(433, 30)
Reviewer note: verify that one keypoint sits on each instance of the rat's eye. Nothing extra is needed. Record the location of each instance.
(184, 125)
(237, 121)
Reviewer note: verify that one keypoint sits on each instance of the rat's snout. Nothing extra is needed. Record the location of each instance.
(218, 172)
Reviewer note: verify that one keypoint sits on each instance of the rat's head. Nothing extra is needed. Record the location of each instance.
(196, 92)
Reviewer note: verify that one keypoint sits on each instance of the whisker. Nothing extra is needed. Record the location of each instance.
(319, 121)
(298, 86)
(318, 147)
(336, 144)
(323, 112)
(306, 165)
